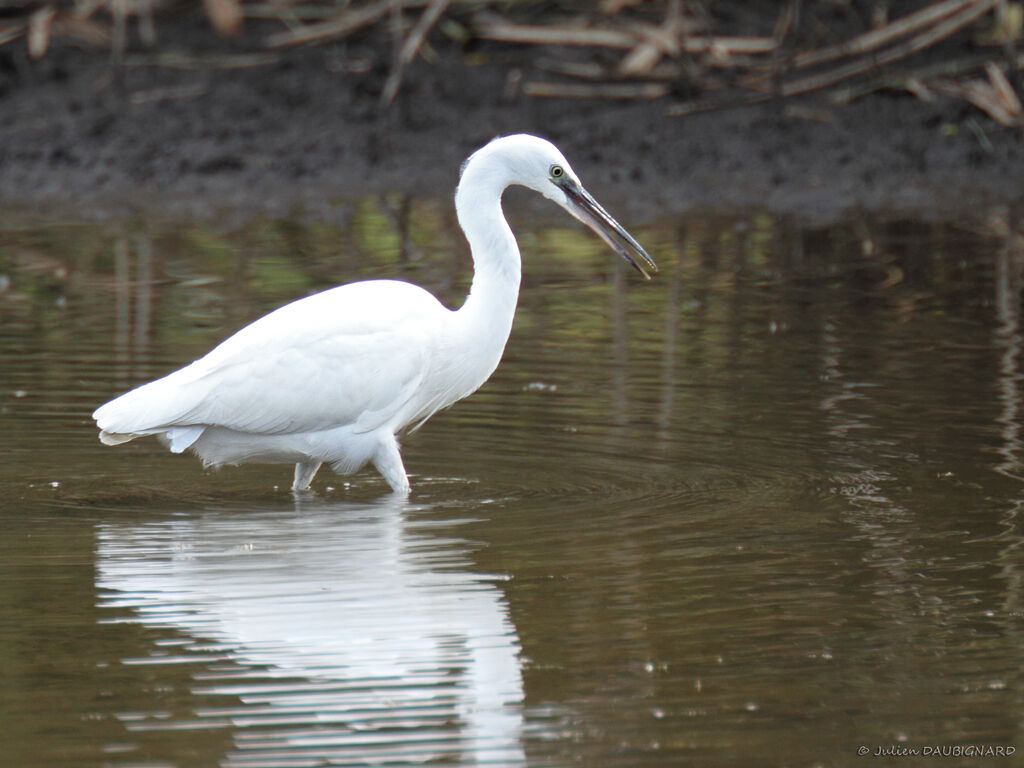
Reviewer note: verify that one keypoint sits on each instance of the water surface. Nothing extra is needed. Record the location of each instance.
(760, 511)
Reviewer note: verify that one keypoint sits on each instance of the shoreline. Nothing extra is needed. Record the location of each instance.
(82, 138)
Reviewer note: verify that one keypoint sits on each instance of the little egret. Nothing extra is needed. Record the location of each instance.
(336, 377)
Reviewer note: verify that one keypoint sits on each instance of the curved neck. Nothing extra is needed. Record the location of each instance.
(491, 303)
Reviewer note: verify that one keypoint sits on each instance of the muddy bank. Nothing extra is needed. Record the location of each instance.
(187, 130)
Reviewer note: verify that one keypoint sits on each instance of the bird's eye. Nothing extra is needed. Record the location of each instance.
(557, 172)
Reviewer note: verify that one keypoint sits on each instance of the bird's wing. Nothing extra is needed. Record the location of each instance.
(354, 355)
(315, 384)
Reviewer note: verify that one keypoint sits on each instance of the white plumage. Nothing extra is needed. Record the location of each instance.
(337, 376)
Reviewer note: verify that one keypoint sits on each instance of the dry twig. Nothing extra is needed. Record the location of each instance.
(876, 38)
(654, 46)
(411, 47)
(971, 11)
(345, 24)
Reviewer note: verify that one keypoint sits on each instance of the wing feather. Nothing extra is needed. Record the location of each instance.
(352, 355)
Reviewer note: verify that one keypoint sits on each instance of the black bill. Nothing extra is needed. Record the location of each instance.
(585, 208)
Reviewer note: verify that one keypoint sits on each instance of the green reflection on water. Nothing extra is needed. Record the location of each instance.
(764, 505)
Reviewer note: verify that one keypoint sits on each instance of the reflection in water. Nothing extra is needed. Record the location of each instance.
(133, 318)
(772, 506)
(860, 474)
(1007, 338)
(347, 632)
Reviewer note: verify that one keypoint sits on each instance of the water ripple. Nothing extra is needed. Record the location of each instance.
(322, 635)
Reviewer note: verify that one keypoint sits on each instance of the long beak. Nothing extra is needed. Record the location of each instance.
(584, 207)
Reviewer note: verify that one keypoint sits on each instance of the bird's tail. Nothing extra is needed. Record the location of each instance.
(145, 411)
(115, 438)
(178, 439)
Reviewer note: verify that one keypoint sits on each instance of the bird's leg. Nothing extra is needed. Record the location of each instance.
(388, 462)
(304, 473)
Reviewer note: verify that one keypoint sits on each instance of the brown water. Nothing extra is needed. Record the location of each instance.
(761, 511)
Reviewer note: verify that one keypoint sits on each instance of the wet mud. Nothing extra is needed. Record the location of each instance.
(197, 127)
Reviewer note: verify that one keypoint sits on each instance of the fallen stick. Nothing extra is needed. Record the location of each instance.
(922, 74)
(876, 38)
(630, 38)
(40, 22)
(346, 23)
(508, 32)
(912, 45)
(1002, 86)
(11, 33)
(410, 47)
(993, 96)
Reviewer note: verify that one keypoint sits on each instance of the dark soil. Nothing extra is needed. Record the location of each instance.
(78, 134)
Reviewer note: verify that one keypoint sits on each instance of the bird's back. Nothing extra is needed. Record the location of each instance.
(354, 355)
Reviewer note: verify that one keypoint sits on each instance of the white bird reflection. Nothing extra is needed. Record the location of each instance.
(348, 633)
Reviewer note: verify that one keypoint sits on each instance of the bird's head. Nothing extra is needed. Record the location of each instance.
(537, 164)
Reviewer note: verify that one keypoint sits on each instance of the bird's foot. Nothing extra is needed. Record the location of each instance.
(305, 471)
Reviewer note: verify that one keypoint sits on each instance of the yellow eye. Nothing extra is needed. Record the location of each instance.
(557, 172)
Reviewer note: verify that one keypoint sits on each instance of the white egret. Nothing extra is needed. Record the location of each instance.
(336, 377)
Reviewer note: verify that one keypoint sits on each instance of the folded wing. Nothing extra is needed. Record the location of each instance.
(354, 355)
